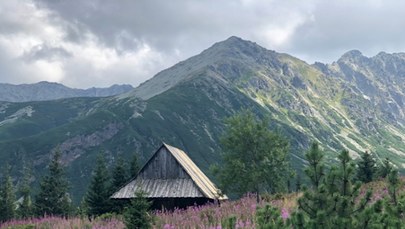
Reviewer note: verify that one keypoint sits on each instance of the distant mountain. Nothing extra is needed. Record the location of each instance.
(355, 103)
(43, 91)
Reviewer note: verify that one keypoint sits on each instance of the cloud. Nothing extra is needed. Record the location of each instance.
(179, 24)
(338, 26)
(37, 44)
(98, 43)
(45, 52)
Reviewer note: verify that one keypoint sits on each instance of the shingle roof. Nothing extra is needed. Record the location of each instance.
(201, 180)
(160, 188)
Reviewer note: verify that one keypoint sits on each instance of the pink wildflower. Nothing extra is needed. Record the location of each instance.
(285, 214)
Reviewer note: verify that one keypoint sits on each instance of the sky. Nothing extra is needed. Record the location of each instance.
(97, 43)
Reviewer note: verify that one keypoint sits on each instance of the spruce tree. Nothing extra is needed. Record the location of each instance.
(7, 197)
(137, 215)
(82, 209)
(120, 174)
(25, 208)
(366, 168)
(53, 197)
(98, 194)
(134, 166)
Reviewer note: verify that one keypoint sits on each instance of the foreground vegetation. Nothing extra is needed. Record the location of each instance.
(241, 213)
(377, 204)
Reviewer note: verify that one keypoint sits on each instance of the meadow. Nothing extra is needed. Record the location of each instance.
(240, 213)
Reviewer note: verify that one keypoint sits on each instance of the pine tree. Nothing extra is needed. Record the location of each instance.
(134, 166)
(269, 217)
(298, 183)
(25, 208)
(346, 192)
(98, 194)
(53, 197)
(137, 215)
(314, 200)
(394, 204)
(366, 168)
(7, 197)
(384, 169)
(334, 201)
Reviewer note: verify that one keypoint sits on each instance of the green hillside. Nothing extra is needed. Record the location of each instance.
(347, 104)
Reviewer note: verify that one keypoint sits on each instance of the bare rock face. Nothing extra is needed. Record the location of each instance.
(74, 147)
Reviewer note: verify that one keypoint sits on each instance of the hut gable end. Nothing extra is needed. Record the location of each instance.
(163, 166)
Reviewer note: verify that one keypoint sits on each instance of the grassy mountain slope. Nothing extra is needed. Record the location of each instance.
(185, 106)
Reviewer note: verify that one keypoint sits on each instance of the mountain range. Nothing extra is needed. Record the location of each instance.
(355, 103)
(43, 91)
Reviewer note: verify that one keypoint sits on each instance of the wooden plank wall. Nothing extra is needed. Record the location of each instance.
(163, 166)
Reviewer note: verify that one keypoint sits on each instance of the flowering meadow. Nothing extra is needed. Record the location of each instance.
(240, 212)
(207, 216)
(63, 223)
(214, 215)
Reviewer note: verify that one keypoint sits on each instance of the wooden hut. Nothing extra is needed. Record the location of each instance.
(171, 179)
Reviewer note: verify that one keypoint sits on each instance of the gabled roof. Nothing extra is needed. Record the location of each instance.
(155, 188)
(201, 180)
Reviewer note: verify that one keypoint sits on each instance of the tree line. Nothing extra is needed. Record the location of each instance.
(53, 197)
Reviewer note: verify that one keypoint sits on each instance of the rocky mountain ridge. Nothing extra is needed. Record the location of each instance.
(43, 91)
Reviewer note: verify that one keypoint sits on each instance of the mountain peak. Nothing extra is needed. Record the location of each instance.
(232, 50)
(235, 43)
(234, 38)
(352, 54)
